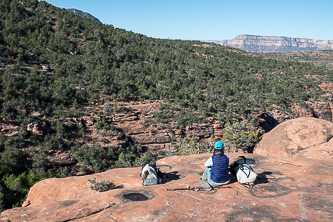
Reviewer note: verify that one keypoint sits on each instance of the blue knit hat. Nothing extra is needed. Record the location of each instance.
(218, 145)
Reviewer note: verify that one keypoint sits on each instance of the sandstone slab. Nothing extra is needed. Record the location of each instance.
(305, 136)
(288, 189)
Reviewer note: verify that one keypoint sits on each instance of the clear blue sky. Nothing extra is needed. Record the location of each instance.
(213, 19)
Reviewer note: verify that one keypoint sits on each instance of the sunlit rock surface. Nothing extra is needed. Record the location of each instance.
(288, 189)
(305, 137)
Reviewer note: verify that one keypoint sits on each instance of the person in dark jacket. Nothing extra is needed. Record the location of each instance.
(216, 172)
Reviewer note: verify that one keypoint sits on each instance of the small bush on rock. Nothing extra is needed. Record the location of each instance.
(102, 185)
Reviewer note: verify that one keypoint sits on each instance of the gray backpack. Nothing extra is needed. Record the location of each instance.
(149, 175)
(243, 172)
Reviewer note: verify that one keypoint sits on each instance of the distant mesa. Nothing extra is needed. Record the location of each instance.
(83, 14)
(263, 44)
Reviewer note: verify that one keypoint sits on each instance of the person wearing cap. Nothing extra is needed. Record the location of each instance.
(216, 172)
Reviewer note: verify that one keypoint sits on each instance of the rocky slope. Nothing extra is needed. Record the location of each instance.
(252, 43)
(287, 189)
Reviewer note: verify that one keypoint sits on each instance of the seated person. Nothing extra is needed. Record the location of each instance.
(216, 172)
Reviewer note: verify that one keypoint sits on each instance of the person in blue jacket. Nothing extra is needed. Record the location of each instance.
(216, 172)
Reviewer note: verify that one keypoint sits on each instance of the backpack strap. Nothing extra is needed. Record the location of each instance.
(242, 166)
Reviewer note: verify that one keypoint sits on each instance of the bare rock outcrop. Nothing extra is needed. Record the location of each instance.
(288, 189)
(320, 110)
(89, 121)
(200, 132)
(126, 117)
(8, 129)
(152, 139)
(59, 158)
(305, 136)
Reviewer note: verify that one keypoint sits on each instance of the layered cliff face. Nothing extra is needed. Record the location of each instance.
(252, 43)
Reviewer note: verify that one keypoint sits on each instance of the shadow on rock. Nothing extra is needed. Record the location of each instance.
(262, 178)
(267, 122)
(233, 179)
(171, 176)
